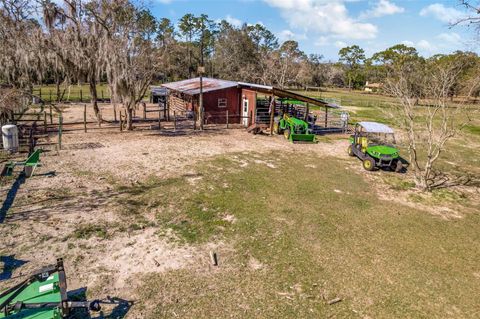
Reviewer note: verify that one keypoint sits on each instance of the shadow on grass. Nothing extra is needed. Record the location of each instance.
(119, 311)
(12, 193)
(9, 265)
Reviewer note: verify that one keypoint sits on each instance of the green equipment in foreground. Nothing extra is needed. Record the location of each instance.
(29, 165)
(294, 129)
(42, 296)
(373, 143)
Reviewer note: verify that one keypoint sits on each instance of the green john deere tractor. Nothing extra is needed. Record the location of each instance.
(294, 129)
(373, 143)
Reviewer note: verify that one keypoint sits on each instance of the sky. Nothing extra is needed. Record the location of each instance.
(323, 27)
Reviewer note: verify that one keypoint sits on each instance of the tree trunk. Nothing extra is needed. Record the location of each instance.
(93, 93)
(129, 118)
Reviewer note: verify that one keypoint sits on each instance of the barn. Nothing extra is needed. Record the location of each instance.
(239, 102)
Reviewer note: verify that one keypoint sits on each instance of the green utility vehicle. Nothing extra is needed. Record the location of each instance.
(294, 129)
(373, 143)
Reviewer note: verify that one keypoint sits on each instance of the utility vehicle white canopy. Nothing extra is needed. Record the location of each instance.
(374, 127)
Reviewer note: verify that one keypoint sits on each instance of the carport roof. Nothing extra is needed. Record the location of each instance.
(374, 127)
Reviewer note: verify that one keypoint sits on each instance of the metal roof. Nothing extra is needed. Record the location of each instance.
(192, 86)
(374, 127)
(158, 90)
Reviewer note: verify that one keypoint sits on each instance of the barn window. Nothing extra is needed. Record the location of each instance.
(222, 102)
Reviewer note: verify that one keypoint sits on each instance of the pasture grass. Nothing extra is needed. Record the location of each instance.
(301, 237)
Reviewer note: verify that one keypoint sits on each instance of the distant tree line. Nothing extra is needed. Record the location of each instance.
(124, 45)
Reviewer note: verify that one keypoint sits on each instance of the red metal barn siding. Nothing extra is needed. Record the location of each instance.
(252, 103)
(215, 114)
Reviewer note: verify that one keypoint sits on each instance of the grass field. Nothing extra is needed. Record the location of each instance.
(294, 226)
(301, 234)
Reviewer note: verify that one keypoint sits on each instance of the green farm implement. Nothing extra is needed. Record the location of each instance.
(41, 296)
(29, 165)
(373, 143)
(294, 129)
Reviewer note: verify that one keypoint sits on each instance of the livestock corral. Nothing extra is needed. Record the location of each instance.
(172, 221)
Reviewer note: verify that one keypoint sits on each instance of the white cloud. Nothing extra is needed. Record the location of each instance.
(321, 41)
(442, 13)
(450, 38)
(408, 43)
(382, 8)
(285, 35)
(441, 43)
(340, 44)
(322, 16)
(424, 45)
(233, 21)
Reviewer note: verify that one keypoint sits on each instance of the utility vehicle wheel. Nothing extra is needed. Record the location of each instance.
(286, 133)
(369, 164)
(399, 166)
(350, 150)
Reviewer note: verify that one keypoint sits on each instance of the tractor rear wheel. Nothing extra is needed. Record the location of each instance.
(286, 133)
(369, 164)
(350, 150)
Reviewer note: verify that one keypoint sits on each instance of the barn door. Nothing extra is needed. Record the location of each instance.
(245, 112)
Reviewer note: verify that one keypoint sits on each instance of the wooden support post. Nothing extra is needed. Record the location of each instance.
(174, 120)
(103, 99)
(121, 122)
(194, 118)
(167, 107)
(226, 116)
(45, 121)
(81, 95)
(40, 94)
(50, 98)
(326, 117)
(272, 114)
(51, 114)
(307, 110)
(85, 118)
(144, 110)
(115, 112)
(159, 119)
(60, 124)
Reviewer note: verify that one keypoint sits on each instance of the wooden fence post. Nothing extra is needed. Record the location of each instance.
(159, 118)
(60, 124)
(121, 122)
(85, 118)
(144, 110)
(50, 98)
(194, 115)
(174, 120)
(326, 117)
(51, 114)
(272, 114)
(115, 112)
(45, 121)
(40, 93)
(103, 99)
(226, 117)
(81, 95)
